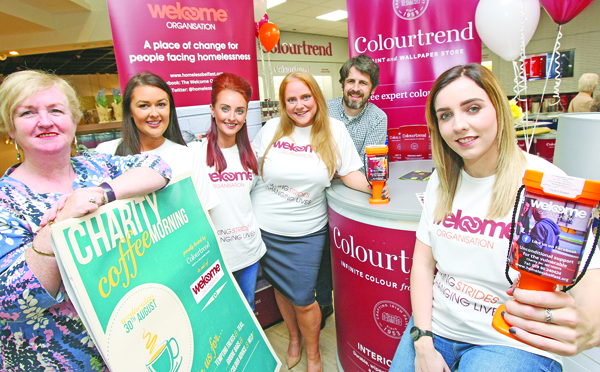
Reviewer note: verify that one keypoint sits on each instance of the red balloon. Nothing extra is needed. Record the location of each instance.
(563, 11)
(269, 36)
(256, 29)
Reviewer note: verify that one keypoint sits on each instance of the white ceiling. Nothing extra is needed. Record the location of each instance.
(30, 16)
(27, 16)
(300, 16)
(38, 27)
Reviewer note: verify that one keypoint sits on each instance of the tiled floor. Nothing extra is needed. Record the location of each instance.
(278, 336)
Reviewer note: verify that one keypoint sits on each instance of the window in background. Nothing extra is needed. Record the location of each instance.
(540, 66)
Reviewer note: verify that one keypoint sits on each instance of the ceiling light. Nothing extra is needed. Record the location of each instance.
(272, 3)
(13, 53)
(334, 16)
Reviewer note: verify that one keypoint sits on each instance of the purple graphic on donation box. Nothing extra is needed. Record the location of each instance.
(413, 42)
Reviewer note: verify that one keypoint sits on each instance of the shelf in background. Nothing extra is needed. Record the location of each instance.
(97, 128)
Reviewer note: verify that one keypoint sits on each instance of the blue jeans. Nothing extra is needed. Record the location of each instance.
(464, 357)
(246, 279)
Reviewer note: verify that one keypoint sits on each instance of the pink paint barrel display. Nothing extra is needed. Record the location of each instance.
(371, 249)
(544, 146)
(394, 144)
(523, 145)
(415, 142)
(409, 142)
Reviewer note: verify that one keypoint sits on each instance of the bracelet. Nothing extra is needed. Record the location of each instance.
(110, 193)
(42, 253)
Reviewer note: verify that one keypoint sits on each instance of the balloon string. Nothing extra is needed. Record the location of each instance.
(557, 84)
(556, 58)
(521, 79)
(271, 82)
(262, 59)
(520, 82)
(520, 85)
(543, 93)
(522, 72)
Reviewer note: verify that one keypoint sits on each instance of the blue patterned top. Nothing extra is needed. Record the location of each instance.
(39, 332)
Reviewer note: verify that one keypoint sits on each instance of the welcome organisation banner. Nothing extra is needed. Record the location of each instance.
(186, 42)
(147, 277)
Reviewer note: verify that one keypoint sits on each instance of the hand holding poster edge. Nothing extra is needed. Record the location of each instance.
(84, 306)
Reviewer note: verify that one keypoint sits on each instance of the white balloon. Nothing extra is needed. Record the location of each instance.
(499, 23)
(260, 8)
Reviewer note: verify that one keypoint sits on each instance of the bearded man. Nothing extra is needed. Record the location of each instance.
(366, 123)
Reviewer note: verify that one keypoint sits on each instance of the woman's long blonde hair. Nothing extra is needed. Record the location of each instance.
(511, 161)
(321, 138)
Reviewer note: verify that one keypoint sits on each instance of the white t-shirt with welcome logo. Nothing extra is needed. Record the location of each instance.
(290, 201)
(471, 256)
(233, 218)
(181, 159)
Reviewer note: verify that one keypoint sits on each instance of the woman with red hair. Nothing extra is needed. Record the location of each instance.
(232, 169)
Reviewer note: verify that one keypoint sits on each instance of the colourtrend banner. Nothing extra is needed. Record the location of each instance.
(413, 42)
(375, 262)
(147, 277)
(186, 42)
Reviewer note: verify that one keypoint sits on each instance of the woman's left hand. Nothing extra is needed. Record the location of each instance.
(569, 327)
(83, 201)
(76, 204)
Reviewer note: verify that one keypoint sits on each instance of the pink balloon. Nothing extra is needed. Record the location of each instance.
(263, 20)
(563, 11)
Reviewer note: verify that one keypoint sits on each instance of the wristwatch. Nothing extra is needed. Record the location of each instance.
(110, 194)
(416, 333)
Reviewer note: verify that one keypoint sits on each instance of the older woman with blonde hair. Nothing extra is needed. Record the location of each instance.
(298, 155)
(584, 100)
(456, 285)
(40, 328)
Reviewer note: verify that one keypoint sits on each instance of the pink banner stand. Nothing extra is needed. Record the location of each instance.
(371, 249)
(413, 42)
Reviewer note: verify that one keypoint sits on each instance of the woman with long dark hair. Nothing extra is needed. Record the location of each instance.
(232, 169)
(150, 126)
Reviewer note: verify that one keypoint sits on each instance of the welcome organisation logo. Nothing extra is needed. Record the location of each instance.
(409, 9)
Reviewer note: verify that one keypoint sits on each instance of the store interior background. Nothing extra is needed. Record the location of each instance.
(73, 38)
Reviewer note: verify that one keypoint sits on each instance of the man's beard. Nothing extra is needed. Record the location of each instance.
(356, 104)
